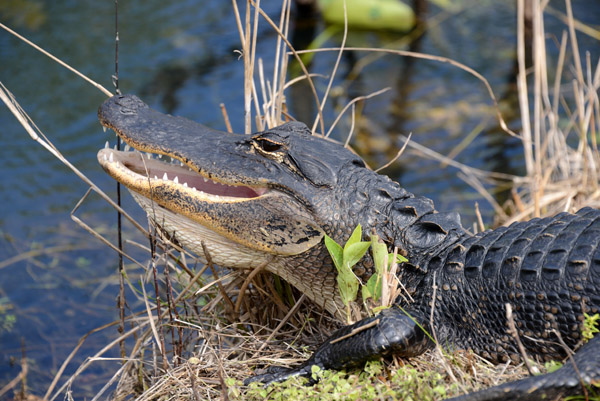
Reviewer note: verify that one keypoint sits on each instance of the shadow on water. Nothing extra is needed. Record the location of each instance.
(179, 57)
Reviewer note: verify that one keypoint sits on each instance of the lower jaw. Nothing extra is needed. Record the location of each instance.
(230, 254)
(192, 235)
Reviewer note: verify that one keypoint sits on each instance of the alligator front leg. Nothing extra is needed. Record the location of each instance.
(392, 331)
(575, 378)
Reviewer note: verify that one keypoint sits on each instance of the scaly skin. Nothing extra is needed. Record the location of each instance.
(285, 189)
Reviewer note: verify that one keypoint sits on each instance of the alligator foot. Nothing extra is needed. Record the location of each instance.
(566, 381)
(392, 331)
(277, 374)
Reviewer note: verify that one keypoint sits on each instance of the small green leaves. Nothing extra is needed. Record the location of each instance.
(316, 372)
(552, 366)
(379, 283)
(383, 262)
(7, 319)
(344, 259)
(380, 258)
(375, 382)
(590, 325)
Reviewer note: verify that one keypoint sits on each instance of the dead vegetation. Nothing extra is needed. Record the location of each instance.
(204, 329)
(560, 132)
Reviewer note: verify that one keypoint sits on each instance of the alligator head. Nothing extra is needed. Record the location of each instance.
(265, 199)
(250, 199)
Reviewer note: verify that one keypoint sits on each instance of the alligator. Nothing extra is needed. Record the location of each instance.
(269, 199)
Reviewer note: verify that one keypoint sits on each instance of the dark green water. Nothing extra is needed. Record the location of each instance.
(178, 56)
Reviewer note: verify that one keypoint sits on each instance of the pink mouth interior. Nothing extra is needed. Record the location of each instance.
(193, 180)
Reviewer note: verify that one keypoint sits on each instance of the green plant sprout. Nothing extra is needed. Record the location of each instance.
(590, 326)
(344, 258)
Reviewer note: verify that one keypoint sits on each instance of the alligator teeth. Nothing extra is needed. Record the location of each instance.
(117, 162)
(149, 156)
(176, 180)
(165, 177)
(185, 184)
(156, 177)
(105, 158)
(103, 128)
(106, 145)
(127, 147)
(160, 156)
(181, 164)
(111, 158)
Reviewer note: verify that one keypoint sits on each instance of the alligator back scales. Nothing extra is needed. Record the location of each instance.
(547, 269)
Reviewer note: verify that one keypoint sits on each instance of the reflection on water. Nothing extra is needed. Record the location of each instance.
(179, 56)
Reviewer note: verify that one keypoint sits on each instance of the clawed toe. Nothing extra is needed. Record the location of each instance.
(278, 374)
(273, 374)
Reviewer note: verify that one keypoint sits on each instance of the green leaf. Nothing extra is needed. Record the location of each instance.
(589, 325)
(366, 292)
(373, 286)
(380, 253)
(355, 237)
(347, 281)
(354, 252)
(378, 309)
(335, 251)
(399, 258)
(552, 366)
(347, 285)
(315, 372)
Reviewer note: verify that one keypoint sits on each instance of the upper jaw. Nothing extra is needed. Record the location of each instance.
(213, 179)
(210, 153)
(204, 162)
(140, 172)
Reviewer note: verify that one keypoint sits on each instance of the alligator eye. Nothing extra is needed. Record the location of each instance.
(268, 146)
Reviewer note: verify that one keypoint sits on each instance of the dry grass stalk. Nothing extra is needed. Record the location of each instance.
(560, 177)
(17, 379)
(351, 104)
(332, 77)
(57, 60)
(405, 53)
(400, 152)
(280, 96)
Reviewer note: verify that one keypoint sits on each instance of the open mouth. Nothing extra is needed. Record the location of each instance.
(142, 171)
